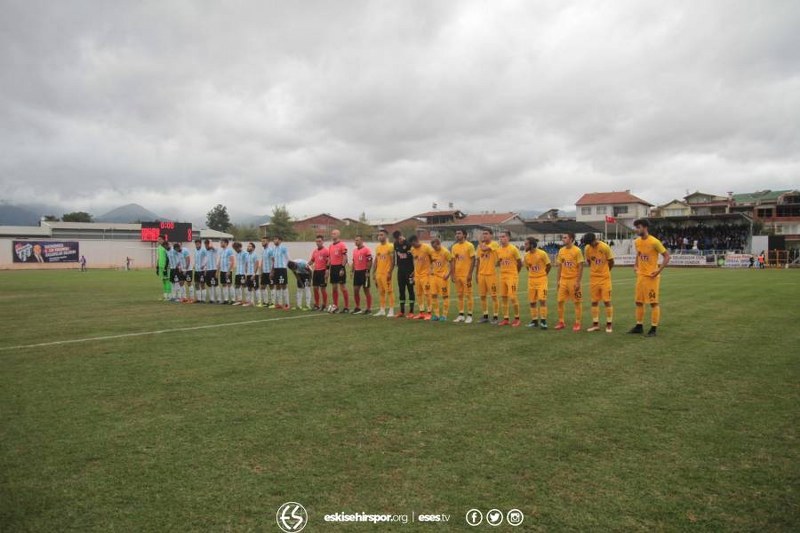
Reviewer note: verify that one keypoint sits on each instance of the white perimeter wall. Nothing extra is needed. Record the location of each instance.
(111, 254)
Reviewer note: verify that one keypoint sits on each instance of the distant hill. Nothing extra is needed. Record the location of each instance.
(13, 215)
(128, 214)
(250, 220)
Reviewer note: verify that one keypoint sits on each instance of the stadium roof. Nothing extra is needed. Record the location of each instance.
(613, 197)
(24, 231)
(454, 212)
(112, 226)
(759, 196)
(487, 219)
(552, 227)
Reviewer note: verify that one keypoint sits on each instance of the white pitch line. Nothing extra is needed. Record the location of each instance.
(154, 332)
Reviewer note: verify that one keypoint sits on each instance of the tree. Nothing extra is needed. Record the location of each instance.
(244, 232)
(218, 219)
(281, 223)
(77, 216)
(51, 218)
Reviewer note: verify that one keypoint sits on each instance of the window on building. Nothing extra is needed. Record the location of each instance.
(620, 210)
(586, 210)
(601, 210)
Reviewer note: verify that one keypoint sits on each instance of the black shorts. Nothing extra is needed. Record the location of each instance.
(338, 274)
(238, 280)
(225, 278)
(280, 276)
(318, 278)
(303, 280)
(197, 277)
(251, 281)
(265, 282)
(405, 278)
(210, 278)
(361, 278)
(176, 276)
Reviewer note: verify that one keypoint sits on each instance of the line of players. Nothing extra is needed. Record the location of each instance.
(238, 275)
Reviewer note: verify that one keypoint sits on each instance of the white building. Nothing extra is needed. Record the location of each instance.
(623, 206)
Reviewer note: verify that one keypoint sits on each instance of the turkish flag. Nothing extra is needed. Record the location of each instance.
(610, 219)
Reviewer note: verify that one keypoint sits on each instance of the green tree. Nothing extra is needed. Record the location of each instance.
(281, 223)
(218, 218)
(244, 232)
(77, 216)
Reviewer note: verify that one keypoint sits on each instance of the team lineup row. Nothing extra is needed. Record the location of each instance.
(241, 275)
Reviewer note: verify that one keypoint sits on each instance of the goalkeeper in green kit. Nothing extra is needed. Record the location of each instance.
(162, 266)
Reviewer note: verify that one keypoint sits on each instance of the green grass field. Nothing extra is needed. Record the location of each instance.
(214, 428)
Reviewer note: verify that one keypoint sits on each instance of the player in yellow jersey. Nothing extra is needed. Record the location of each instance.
(441, 270)
(487, 275)
(422, 274)
(648, 276)
(570, 272)
(510, 262)
(463, 267)
(538, 264)
(382, 270)
(600, 259)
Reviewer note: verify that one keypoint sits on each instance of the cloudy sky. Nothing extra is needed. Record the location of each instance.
(389, 106)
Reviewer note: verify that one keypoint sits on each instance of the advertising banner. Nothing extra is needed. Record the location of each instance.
(45, 251)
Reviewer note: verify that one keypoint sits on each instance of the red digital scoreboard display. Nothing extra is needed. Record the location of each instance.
(175, 231)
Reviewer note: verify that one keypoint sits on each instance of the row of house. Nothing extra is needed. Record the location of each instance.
(611, 213)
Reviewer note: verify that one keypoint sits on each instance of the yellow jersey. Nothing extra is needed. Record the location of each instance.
(537, 261)
(463, 252)
(508, 257)
(441, 261)
(647, 252)
(570, 260)
(422, 260)
(598, 258)
(383, 257)
(488, 259)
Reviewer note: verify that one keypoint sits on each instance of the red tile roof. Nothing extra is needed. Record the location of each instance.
(603, 198)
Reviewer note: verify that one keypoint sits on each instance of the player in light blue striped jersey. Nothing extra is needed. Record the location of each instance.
(238, 279)
(280, 273)
(267, 296)
(227, 264)
(251, 273)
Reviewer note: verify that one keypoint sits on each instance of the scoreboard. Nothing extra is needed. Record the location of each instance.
(175, 231)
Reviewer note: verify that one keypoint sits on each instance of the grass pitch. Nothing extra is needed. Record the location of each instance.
(215, 428)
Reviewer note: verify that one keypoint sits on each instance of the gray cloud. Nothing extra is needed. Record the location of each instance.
(385, 107)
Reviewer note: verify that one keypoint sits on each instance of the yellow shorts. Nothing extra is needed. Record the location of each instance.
(647, 289)
(384, 285)
(600, 291)
(423, 284)
(508, 286)
(487, 285)
(537, 289)
(566, 291)
(439, 286)
(463, 285)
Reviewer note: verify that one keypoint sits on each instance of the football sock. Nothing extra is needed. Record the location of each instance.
(561, 311)
(515, 305)
(542, 312)
(484, 306)
(357, 298)
(534, 312)
(369, 300)
(391, 299)
(335, 296)
(655, 315)
(460, 304)
(639, 314)
(307, 291)
(470, 303)
(446, 304)
(610, 314)
(299, 298)
(505, 305)
(346, 297)
(496, 303)
(324, 298)
(578, 313)
(595, 314)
